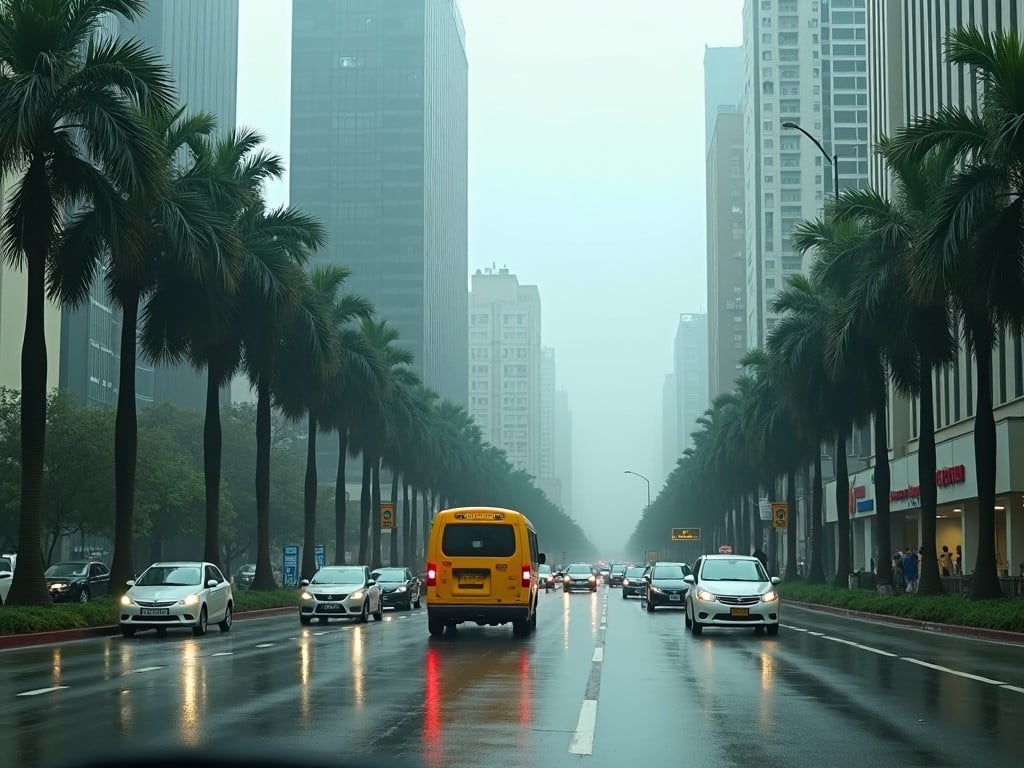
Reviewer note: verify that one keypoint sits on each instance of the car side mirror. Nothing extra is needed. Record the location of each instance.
(542, 559)
(211, 583)
(647, 579)
(304, 583)
(370, 582)
(130, 582)
(688, 578)
(776, 580)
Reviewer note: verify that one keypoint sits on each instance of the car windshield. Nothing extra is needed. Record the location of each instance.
(670, 571)
(618, 569)
(5, 564)
(339, 576)
(580, 569)
(389, 575)
(635, 572)
(171, 576)
(67, 569)
(732, 570)
(544, 569)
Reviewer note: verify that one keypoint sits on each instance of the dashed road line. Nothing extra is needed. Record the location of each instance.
(39, 691)
(223, 653)
(598, 654)
(140, 670)
(582, 740)
(264, 645)
(956, 672)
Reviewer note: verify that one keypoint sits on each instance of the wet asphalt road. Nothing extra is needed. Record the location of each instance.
(602, 683)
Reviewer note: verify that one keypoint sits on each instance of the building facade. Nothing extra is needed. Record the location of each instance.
(198, 39)
(723, 85)
(908, 77)
(690, 371)
(505, 397)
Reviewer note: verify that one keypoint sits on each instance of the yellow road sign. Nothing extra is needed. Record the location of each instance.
(686, 534)
(780, 515)
(387, 515)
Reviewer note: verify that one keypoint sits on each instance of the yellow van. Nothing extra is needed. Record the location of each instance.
(482, 566)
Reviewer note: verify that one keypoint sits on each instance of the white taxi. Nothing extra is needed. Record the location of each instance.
(177, 594)
(341, 591)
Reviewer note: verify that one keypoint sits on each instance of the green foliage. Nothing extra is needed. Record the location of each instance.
(1005, 615)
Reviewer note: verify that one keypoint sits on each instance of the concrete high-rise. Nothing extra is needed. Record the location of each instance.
(723, 85)
(198, 39)
(505, 356)
(690, 372)
(379, 154)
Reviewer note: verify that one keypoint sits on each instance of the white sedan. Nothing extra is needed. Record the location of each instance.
(178, 594)
(341, 591)
(731, 591)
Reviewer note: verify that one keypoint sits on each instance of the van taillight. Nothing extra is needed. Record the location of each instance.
(527, 576)
(431, 575)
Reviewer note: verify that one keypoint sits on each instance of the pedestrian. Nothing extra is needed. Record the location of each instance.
(946, 562)
(910, 570)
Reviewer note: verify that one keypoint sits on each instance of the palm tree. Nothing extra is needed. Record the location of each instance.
(270, 296)
(973, 248)
(70, 135)
(912, 337)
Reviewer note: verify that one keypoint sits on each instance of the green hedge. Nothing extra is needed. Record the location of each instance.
(102, 612)
(985, 614)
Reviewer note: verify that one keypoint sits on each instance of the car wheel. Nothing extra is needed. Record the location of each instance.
(200, 628)
(225, 624)
(686, 618)
(127, 631)
(83, 596)
(364, 615)
(695, 627)
(378, 615)
(772, 629)
(521, 627)
(416, 605)
(435, 627)
(650, 607)
(305, 620)
(623, 594)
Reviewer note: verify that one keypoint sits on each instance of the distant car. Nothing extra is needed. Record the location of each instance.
(618, 573)
(633, 584)
(546, 576)
(339, 592)
(666, 585)
(731, 591)
(77, 581)
(400, 589)
(245, 575)
(6, 575)
(579, 576)
(177, 594)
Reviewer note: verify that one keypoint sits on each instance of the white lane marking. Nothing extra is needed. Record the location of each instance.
(879, 651)
(264, 645)
(347, 628)
(795, 629)
(39, 691)
(598, 654)
(582, 741)
(816, 634)
(1009, 687)
(316, 634)
(144, 669)
(223, 653)
(956, 672)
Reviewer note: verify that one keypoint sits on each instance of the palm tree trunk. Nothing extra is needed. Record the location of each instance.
(425, 519)
(28, 586)
(264, 576)
(816, 569)
(309, 502)
(212, 450)
(843, 557)
(408, 526)
(393, 554)
(929, 583)
(790, 574)
(773, 536)
(881, 534)
(126, 439)
(365, 505)
(340, 500)
(375, 558)
(985, 582)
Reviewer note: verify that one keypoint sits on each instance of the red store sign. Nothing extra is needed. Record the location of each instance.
(943, 477)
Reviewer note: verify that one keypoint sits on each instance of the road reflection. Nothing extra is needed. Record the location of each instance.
(358, 698)
(305, 707)
(55, 668)
(193, 695)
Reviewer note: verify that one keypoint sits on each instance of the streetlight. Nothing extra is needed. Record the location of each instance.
(832, 159)
(631, 472)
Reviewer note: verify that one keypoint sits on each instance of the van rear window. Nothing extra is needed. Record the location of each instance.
(476, 540)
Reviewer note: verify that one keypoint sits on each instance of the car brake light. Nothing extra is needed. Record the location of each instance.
(527, 576)
(431, 575)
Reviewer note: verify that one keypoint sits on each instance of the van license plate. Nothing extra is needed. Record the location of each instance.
(740, 613)
(471, 578)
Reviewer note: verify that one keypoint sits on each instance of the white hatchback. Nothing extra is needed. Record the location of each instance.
(177, 594)
(731, 591)
(341, 591)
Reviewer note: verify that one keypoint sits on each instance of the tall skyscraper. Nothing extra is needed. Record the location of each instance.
(198, 39)
(379, 154)
(723, 85)
(505, 365)
(563, 449)
(690, 355)
(802, 60)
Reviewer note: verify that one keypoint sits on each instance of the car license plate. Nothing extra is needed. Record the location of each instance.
(154, 611)
(331, 606)
(741, 613)
(677, 598)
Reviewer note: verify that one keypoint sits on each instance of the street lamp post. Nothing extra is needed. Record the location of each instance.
(642, 477)
(832, 159)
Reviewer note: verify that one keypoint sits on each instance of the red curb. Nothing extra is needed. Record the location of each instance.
(66, 635)
(981, 633)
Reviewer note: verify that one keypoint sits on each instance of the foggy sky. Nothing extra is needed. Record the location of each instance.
(586, 178)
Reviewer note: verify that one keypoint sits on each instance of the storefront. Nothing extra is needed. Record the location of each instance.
(957, 508)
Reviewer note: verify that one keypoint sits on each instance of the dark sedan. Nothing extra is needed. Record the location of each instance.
(633, 583)
(617, 575)
(399, 588)
(77, 581)
(579, 576)
(665, 585)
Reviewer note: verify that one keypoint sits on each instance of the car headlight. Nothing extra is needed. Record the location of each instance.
(593, 578)
(704, 596)
(306, 596)
(625, 582)
(655, 589)
(58, 586)
(189, 600)
(401, 589)
(357, 595)
(125, 600)
(770, 596)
